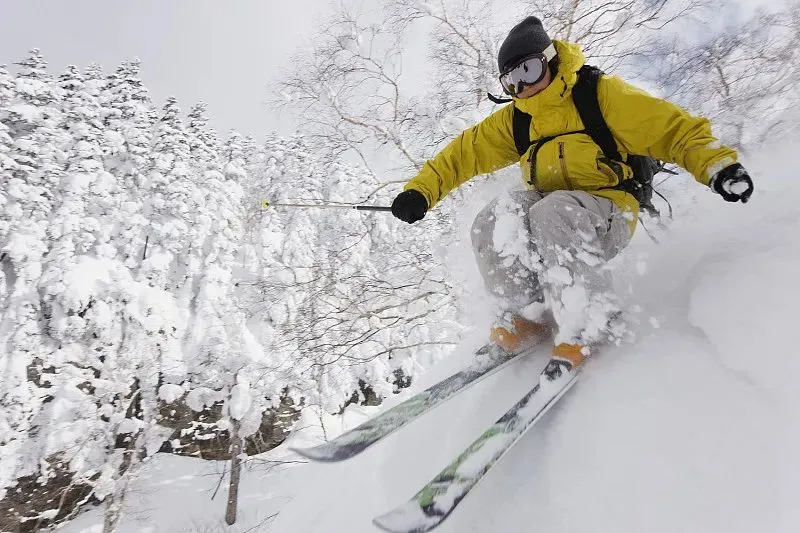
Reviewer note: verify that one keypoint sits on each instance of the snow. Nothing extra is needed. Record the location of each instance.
(84, 280)
(409, 514)
(240, 400)
(692, 427)
(169, 392)
(641, 266)
(201, 397)
(509, 238)
(26, 112)
(738, 187)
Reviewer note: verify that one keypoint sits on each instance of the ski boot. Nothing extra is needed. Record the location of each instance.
(517, 333)
(565, 359)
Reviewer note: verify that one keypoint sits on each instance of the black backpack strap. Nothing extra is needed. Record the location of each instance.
(522, 131)
(584, 94)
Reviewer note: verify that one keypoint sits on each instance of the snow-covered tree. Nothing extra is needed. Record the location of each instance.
(69, 310)
(743, 80)
(334, 300)
(7, 86)
(129, 117)
(612, 31)
(204, 144)
(34, 162)
(172, 199)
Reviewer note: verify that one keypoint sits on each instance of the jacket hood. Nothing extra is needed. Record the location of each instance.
(571, 59)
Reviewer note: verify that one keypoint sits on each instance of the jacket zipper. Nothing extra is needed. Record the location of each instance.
(563, 161)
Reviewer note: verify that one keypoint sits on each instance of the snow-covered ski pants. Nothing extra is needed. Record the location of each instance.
(553, 249)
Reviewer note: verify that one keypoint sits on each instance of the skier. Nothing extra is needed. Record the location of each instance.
(578, 210)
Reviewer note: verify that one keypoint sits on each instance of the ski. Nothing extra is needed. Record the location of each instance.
(437, 500)
(488, 360)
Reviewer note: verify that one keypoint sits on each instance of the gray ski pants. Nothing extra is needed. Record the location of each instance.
(553, 248)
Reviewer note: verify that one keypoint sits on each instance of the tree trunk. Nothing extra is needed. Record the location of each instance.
(114, 507)
(113, 510)
(236, 469)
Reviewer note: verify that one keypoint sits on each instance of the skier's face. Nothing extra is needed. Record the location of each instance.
(531, 90)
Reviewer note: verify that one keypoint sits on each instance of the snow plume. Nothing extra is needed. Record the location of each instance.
(149, 302)
(511, 239)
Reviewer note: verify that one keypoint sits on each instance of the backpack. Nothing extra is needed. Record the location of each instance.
(584, 94)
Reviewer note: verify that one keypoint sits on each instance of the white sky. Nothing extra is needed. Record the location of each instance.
(222, 52)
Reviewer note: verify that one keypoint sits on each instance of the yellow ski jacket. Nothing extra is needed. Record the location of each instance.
(641, 124)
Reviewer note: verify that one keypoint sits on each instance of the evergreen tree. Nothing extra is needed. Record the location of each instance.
(204, 144)
(33, 80)
(132, 118)
(33, 124)
(7, 87)
(81, 117)
(7, 169)
(170, 202)
(250, 149)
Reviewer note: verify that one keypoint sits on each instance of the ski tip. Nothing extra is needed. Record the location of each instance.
(333, 451)
(377, 522)
(315, 453)
(303, 452)
(384, 523)
(408, 518)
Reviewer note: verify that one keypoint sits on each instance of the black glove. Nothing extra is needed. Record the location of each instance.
(733, 183)
(410, 206)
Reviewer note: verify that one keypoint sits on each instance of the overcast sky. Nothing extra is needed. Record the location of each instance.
(222, 52)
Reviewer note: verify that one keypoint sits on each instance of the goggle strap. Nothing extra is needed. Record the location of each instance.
(498, 100)
(550, 52)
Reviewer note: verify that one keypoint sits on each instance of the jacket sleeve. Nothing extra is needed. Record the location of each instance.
(646, 125)
(484, 148)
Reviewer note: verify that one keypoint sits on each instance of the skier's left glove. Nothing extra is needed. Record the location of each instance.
(733, 183)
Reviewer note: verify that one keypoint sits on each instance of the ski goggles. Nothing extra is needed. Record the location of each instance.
(530, 70)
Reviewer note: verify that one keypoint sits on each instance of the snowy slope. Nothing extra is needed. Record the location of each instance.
(694, 427)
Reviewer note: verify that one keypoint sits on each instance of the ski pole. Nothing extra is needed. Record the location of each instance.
(265, 204)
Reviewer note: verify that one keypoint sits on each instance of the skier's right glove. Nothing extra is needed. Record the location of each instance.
(410, 206)
(733, 183)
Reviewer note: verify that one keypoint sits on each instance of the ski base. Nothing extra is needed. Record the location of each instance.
(439, 498)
